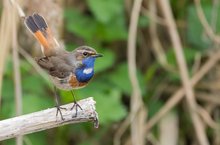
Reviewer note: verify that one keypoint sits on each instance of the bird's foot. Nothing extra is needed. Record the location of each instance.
(60, 112)
(77, 106)
(44, 59)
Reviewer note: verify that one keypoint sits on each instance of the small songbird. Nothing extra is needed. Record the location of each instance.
(68, 70)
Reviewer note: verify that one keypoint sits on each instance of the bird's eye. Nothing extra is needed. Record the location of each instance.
(85, 53)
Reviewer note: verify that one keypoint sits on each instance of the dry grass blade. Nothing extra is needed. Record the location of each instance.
(197, 122)
(33, 63)
(5, 38)
(158, 49)
(207, 119)
(169, 124)
(137, 110)
(209, 31)
(179, 94)
(121, 130)
(16, 68)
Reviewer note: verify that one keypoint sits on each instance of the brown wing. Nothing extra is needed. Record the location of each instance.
(55, 66)
(38, 26)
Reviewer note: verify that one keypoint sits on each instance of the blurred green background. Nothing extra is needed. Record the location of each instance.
(104, 26)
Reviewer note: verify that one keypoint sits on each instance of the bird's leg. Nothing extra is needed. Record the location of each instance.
(57, 99)
(75, 104)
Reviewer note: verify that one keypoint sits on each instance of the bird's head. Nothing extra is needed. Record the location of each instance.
(86, 55)
(86, 52)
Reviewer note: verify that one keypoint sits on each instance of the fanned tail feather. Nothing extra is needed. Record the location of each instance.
(38, 26)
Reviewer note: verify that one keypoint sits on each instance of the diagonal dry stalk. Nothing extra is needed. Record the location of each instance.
(137, 111)
(179, 94)
(158, 49)
(197, 122)
(208, 29)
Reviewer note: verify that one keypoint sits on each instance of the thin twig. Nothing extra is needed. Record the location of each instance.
(214, 15)
(208, 98)
(18, 8)
(33, 63)
(169, 124)
(179, 94)
(46, 119)
(157, 46)
(197, 122)
(156, 18)
(207, 119)
(209, 31)
(152, 139)
(124, 125)
(5, 38)
(17, 75)
(197, 63)
(137, 122)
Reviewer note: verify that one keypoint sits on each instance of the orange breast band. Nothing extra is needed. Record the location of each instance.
(75, 83)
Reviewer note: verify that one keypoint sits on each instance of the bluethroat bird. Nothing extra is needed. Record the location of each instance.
(67, 70)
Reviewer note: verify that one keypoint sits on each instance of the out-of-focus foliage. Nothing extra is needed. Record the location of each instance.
(103, 24)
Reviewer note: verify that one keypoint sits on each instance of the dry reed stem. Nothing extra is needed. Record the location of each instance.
(124, 125)
(169, 124)
(209, 98)
(196, 120)
(158, 49)
(5, 38)
(208, 119)
(16, 11)
(156, 18)
(33, 63)
(209, 31)
(16, 69)
(179, 94)
(137, 111)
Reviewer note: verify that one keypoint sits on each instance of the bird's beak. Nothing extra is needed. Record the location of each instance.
(97, 55)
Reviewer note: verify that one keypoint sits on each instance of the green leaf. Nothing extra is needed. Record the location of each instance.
(151, 71)
(189, 55)
(114, 30)
(108, 100)
(143, 21)
(35, 84)
(154, 106)
(8, 105)
(121, 80)
(106, 61)
(109, 106)
(106, 10)
(195, 33)
(82, 26)
(35, 102)
(39, 138)
(8, 70)
(91, 30)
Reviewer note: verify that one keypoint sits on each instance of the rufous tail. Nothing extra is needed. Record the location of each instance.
(39, 28)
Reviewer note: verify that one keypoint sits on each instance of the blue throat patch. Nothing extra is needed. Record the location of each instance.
(86, 72)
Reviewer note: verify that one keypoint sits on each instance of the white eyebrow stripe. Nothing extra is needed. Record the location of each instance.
(90, 52)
